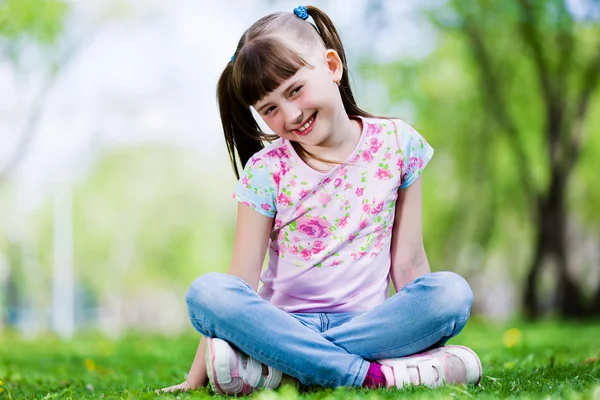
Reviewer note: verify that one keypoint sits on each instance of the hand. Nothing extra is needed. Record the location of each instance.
(183, 386)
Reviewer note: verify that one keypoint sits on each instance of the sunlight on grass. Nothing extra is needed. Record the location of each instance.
(512, 337)
(547, 360)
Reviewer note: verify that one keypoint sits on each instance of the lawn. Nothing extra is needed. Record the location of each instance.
(550, 359)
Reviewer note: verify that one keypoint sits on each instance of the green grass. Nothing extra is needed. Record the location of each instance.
(551, 359)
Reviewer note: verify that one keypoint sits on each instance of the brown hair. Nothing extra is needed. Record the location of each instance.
(262, 61)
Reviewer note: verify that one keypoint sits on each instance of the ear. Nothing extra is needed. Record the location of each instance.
(334, 64)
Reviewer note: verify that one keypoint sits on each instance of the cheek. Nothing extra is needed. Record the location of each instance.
(324, 97)
(311, 100)
(275, 124)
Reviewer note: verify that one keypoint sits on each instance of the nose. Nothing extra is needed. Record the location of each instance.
(293, 113)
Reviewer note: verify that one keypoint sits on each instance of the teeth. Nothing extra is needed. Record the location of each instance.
(306, 125)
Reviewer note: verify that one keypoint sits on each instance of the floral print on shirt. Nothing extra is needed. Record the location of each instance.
(341, 216)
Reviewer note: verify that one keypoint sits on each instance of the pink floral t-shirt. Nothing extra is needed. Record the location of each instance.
(329, 249)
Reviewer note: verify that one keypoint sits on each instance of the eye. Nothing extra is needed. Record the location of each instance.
(270, 110)
(296, 90)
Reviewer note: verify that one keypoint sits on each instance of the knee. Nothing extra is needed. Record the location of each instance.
(453, 295)
(210, 290)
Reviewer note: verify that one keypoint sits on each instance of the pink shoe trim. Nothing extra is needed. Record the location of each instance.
(388, 373)
(445, 364)
(246, 389)
(212, 362)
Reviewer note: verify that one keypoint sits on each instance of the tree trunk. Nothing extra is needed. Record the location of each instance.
(12, 299)
(594, 310)
(551, 242)
(530, 298)
(568, 291)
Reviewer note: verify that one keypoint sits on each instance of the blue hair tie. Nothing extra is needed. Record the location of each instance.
(301, 12)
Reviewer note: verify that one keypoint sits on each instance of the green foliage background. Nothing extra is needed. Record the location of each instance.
(153, 214)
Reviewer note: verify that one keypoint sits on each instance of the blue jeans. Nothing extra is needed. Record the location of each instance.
(330, 349)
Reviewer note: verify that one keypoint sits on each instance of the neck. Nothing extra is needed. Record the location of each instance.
(341, 142)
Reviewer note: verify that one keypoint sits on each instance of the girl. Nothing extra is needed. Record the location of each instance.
(336, 199)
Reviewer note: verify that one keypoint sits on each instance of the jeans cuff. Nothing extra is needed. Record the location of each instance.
(362, 373)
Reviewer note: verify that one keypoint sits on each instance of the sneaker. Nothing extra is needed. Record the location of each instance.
(232, 372)
(434, 368)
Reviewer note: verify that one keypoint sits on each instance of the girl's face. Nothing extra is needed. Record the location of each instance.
(306, 107)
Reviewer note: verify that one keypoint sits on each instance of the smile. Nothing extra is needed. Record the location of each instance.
(307, 127)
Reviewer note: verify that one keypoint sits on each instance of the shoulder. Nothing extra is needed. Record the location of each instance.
(269, 156)
(391, 123)
(393, 127)
(258, 184)
(382, 125)
(277, 149)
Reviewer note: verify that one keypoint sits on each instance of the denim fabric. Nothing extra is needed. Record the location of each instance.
(330, 349)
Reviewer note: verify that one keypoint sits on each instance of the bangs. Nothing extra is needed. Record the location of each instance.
(261, 66)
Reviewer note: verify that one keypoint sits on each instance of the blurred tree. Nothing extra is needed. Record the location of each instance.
(29, 35)
(566, 70)
(145, 217)
(508, 93)
(23, 21)
(27, 24)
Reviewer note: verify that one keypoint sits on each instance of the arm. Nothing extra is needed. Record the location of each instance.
(250, 244)
(197, 377)
(249, 249)
(409, 260)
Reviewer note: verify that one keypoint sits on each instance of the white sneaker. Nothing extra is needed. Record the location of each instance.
(232, 372)
(434, 368)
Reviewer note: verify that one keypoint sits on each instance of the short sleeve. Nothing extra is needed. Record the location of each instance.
(413, 154)
(256, 188)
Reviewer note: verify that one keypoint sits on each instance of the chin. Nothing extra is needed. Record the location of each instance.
(319, 138)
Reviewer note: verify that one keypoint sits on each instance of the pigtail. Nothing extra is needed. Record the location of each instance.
(332, 40)
(242, 133)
